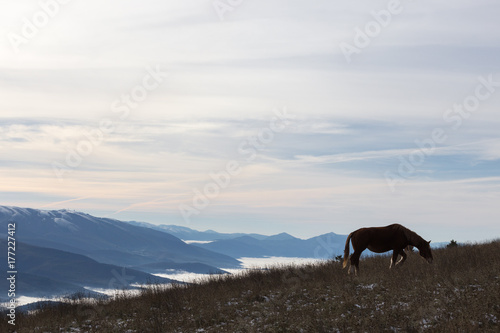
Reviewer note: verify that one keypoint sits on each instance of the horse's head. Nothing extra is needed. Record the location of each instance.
(425, 251)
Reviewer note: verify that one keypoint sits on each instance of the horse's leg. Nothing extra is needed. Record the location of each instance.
(351, 265)
(403, 258)
(352, 268)
(355, 262)
(394, 258)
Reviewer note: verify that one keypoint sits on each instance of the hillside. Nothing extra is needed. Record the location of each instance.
(459, 292)
(47, 272)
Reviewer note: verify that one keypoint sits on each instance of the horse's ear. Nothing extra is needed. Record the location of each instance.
(428, 242)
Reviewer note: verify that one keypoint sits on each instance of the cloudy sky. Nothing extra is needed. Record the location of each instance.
(255, 116)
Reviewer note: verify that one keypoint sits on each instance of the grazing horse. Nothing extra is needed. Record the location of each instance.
(393, 237)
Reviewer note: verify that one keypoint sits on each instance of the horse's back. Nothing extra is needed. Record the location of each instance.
(380, 239)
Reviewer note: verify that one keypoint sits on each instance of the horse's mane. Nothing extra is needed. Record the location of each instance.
(413, 238)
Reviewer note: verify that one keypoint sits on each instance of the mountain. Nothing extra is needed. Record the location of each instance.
(279, 237)
(47, 272)
(185, 233)
(282, 245)
(105, 240)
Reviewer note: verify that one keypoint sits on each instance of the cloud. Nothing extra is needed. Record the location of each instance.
(490, 150)
(60, 203)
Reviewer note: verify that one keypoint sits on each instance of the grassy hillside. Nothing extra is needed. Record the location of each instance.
(459, 292)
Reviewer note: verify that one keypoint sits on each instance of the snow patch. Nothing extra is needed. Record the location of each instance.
(65, 224)
(5, 210)
(368, 286)
(184, 276)
(196, 242)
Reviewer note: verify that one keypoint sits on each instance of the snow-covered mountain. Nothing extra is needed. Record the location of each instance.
(105, 240)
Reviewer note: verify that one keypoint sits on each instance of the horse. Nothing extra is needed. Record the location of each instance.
(393, 237)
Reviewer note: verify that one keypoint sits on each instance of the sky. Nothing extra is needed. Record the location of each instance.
(304, 117)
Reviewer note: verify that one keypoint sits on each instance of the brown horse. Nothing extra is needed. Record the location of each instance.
(393, 237)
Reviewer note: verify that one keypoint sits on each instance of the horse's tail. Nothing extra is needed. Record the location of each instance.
(346, 250)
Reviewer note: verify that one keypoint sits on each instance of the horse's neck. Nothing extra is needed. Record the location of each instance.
(414, 239)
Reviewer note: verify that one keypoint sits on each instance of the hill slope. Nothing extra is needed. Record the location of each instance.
(459, 292)
(44, 272)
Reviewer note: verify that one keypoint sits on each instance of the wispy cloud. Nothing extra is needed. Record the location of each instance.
(481, 150)
(61, 203)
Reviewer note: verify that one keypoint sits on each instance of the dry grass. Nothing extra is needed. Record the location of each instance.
(459, 292)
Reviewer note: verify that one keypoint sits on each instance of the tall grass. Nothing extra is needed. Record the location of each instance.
(459, 292)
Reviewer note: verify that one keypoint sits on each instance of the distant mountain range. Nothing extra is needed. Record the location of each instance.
(325, 246)
(185, 233)
(240, 245)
